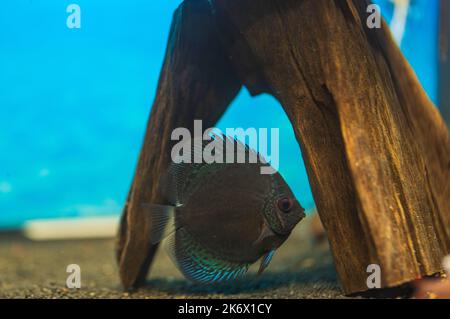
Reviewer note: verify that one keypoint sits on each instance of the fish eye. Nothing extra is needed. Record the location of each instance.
(285, 204)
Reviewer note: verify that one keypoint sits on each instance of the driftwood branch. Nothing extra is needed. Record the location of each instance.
(444, 60)
(196, 82)
(376, 150)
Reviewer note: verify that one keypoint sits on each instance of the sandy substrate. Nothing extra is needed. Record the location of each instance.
(300, 269)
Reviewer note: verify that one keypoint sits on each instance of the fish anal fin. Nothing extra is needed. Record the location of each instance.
(199, 264)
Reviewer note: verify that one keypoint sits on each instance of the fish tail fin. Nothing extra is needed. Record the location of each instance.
(162, 221)
(200, 265)
(171, 187)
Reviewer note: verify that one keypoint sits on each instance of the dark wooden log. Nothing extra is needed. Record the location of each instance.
(196, 82)
(444, 61)
(376, 150)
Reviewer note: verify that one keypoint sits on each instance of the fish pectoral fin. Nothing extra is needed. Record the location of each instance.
(199, 264)
(162, 221)
(265, 261)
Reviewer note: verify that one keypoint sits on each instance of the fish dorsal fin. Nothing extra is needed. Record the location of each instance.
(199, 264)
(162, 221)
(183, 177)
(265, 261)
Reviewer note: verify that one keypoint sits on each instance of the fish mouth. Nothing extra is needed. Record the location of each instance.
(302, 215)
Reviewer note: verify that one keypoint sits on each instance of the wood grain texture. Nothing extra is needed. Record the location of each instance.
(444, 61)
(196, 82)
(376, 150)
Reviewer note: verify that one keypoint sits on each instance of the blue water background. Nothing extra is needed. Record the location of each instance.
(74, 103)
